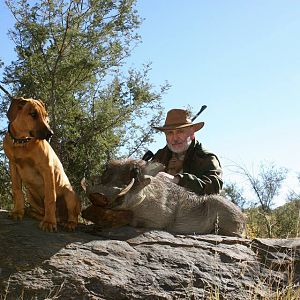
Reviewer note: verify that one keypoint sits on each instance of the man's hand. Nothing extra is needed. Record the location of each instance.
(170, 177)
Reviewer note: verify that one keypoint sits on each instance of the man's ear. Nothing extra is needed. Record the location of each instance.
(15, 105)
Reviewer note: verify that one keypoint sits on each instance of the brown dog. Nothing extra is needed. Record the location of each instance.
(33, 162)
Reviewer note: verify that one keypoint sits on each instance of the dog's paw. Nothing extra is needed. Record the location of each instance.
(17, 215)
(70, 226)
(48, 226)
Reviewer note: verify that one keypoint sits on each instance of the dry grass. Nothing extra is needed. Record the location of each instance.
(54, 294)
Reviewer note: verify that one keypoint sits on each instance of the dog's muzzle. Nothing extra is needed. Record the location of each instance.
(44, 134)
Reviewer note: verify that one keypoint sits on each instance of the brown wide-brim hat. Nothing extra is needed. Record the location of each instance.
(179, 118)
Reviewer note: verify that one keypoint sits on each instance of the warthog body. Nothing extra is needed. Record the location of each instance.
(158, 203)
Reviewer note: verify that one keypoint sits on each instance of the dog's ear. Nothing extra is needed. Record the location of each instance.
(15, 105)
(43, 104)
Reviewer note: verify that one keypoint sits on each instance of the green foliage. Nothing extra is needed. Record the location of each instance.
(284, 221)
(72, 55)
(5, 183)
(288, 218)
(234, 194)
(258, 222)
(265, 186)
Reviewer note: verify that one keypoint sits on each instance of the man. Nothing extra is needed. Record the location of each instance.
(187, 163)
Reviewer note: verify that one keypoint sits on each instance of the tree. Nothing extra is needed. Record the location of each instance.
(72, 55)
(265, 185)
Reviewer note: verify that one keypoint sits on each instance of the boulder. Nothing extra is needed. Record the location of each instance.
(128, 263)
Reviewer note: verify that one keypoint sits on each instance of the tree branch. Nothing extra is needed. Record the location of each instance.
(5, 91)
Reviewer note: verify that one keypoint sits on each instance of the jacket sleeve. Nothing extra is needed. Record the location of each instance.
(205, 176)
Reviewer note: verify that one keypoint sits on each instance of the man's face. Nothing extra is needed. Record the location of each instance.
(179, 140)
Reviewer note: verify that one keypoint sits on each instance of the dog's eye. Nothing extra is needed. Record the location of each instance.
(33, 114)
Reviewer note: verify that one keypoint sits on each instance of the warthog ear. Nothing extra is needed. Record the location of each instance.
(16, 105)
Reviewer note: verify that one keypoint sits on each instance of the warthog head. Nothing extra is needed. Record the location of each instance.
(119, 177)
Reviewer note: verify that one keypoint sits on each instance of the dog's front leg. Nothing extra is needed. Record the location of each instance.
(49, 221)
(17, 212)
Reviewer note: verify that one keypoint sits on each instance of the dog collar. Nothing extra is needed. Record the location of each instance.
(18, 141)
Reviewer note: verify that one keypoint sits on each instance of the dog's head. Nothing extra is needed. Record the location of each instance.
(30, 118)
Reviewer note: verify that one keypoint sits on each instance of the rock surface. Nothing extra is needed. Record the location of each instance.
(127, 263)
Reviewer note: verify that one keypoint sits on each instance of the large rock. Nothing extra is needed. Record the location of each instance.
(131, 264)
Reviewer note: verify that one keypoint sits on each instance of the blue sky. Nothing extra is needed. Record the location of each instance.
(240, 58)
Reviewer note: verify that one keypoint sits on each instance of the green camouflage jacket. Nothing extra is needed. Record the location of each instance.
(202, 173)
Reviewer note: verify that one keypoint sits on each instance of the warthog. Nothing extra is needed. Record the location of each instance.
(157, 203)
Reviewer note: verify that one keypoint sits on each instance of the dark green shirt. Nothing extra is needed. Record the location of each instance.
(202, 172)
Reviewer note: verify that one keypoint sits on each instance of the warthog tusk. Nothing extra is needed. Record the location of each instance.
(126, 189)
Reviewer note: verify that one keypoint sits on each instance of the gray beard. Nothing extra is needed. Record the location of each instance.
(188, 143)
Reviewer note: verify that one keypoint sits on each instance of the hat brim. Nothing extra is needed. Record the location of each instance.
(197, 126)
